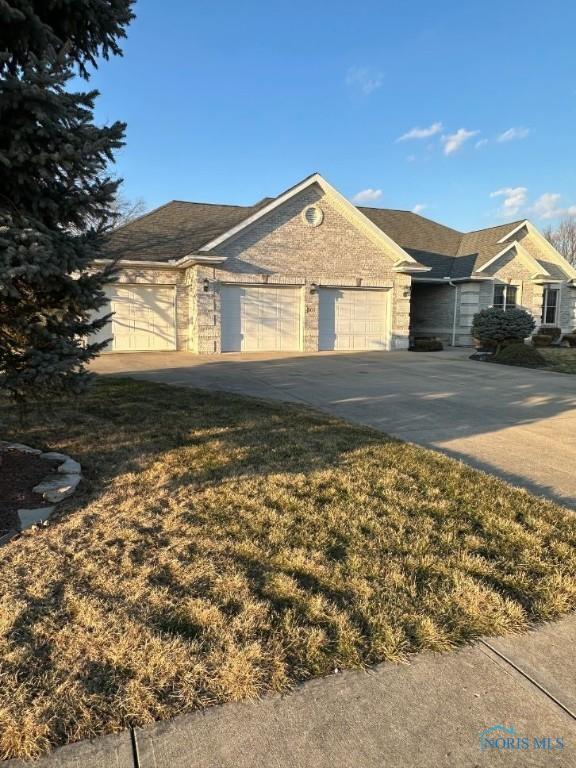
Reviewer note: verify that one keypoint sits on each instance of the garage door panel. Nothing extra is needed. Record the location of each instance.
(143, 319)
(353, 319)
(260, 318)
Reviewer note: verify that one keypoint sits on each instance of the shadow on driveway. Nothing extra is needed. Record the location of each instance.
(514, 422)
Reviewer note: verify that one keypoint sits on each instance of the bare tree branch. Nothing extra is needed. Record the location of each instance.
(563, 238)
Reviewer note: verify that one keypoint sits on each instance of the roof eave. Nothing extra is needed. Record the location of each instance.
(410, 267)
(185, 261)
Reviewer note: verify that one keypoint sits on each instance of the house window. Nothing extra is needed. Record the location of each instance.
(550, 306)
(505, 296)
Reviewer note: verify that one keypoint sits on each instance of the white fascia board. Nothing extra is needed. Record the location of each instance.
(526, 257)
(410, 268)
(498, 256)
(186, 261)
(328, 189)
(199, 258)
(139, 263)
(517, 228)
(558, 258)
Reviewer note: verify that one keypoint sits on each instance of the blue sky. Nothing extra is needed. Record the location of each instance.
(233, 101)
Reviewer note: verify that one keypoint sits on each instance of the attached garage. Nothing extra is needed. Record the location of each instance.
(143, 320)
(353, 319)
(260, 318)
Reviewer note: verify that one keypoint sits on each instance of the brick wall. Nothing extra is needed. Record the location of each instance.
(282, 249)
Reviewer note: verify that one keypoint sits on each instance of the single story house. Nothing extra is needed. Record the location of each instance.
(309, 271)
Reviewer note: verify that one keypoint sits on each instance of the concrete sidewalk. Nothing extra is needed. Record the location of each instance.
(426, 714)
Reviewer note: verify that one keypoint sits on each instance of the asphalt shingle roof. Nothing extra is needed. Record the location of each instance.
(175, 230)
(180, 228)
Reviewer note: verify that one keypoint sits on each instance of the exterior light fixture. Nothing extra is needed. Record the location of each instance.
(313, 288)
(206, 285)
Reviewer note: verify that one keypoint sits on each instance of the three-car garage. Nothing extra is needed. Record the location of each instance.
(254, 318)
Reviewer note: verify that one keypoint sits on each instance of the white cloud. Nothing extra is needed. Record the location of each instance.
(547, 206)
(419, 207)
(453, 141)
(481, 143)
(514, 199)
(421, 133)
(411, 158)
(367, 195)
(364, 79)
(512, 134)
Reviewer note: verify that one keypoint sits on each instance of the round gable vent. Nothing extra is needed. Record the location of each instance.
(313, 216)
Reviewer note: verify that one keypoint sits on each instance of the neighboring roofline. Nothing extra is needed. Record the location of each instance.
(314, 178)
(523, 253)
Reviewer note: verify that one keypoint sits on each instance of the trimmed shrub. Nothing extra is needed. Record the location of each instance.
(571, 339)
(520, 354)
(495, 327)
(541, 340)
(551, 330)
(428, 345)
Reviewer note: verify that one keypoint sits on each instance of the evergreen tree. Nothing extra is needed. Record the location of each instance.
(53, 187)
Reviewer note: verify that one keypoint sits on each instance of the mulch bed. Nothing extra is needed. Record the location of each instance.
(19, 473)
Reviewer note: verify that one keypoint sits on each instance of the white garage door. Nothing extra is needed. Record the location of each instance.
(260, 318)
(353, 319)
(143, 319)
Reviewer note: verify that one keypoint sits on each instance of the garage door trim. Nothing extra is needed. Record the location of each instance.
(386, 337)
(108, 330)
(296, 288)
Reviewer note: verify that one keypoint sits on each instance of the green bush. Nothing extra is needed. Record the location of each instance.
(571, 339)
(551, 330)
(520, 354)
(428, 345)
(495, 327)
(541, 340)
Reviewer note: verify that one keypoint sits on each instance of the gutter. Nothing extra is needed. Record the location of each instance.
(186, 261)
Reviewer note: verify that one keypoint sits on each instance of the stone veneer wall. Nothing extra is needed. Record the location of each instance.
(281, 249)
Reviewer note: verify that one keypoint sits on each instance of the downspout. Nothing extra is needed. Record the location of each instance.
(453, 344)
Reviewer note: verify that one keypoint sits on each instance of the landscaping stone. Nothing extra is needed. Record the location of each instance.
(29, 517)
(57, 488)
(54, 456)
(8, 536)
(70, 467)
(22, 448)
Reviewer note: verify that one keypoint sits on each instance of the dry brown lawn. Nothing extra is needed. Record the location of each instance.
(223, 547)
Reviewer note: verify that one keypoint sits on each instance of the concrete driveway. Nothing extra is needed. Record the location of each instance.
(514, 422)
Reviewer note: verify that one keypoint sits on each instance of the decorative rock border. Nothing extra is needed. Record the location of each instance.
(54, 488)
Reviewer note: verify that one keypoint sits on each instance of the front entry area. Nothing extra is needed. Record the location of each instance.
(143, 319)
(260, 318)
(353, 319)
